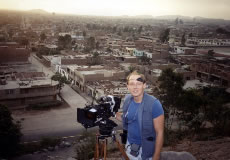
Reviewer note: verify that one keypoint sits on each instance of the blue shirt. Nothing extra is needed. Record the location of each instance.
(134, 133)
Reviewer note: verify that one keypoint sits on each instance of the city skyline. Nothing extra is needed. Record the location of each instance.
(203, 8)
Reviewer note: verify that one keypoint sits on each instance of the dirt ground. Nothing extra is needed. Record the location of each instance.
(202, 150)
(218, 149)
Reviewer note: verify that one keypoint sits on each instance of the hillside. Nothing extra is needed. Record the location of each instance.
(217, 149)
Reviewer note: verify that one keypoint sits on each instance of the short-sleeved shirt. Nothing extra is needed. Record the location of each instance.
(134, 133)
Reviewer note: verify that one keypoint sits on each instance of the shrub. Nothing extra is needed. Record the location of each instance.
(85, 150)
(32, 147)
(49, 142)
(10, 133)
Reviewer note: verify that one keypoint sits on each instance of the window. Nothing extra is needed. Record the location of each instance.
(9, 91)
(23, 91)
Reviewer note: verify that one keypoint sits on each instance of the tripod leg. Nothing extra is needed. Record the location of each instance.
(101, 149)
(122, 150)
(96, 153)
(105, 148)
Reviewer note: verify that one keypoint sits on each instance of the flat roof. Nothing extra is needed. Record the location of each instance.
(28, 84)
(194, 84)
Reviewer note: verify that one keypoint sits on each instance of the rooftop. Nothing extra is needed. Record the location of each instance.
(194, 84)
(28, 84)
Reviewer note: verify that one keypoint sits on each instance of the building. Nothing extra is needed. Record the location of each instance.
(218, 74)
(12, 55)
(187, 74)
(85, 74)
(183, 50)
(10, 44)
(129, 50)
(194, 41)
(25, 88)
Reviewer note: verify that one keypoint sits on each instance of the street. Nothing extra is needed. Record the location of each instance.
(55, 122)
(61, 122)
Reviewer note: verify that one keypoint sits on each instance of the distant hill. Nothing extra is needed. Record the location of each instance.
(144, 16)
(196, 19)
(172, 17)
(38, 11)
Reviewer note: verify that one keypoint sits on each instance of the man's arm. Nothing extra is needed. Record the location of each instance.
(119, 116)
(159, 128)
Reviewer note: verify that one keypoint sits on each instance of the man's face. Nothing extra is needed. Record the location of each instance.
(135, 87)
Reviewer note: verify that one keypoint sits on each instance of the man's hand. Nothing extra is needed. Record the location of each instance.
(118, 116)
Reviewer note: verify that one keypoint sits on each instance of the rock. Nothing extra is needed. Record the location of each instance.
(62, 144)
(50, 148)
(50, 157)
(56, 148)
(71, 158)
(67, 144)
(37, 152)
(171, 155)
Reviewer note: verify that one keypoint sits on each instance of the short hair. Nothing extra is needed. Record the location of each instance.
(135, 72)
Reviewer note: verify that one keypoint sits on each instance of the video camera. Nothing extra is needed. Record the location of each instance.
(98, 115)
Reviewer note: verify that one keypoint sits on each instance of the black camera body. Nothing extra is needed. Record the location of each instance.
(98, 115)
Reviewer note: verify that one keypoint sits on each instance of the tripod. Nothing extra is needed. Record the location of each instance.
(103, 146)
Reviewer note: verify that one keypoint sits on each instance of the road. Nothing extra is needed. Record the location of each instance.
(55, 122)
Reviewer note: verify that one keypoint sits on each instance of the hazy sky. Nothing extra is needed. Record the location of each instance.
(204, 8)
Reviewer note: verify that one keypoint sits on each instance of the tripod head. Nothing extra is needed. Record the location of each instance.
(106, 128)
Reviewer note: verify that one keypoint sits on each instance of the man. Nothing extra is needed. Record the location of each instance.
(143, 118)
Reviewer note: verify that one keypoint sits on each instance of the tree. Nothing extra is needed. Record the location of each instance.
(190, 104)
(131, 68)
(97, 45)
(24, 41)
(119, 33)
(183, 40)
(95, 59)
(84, 33)
(10, 133)
(64, 41)
(215, 109)
(91, 43)
(95, 55)
(10, 33)
(43, 37)
(62, 80)
(145, 60)
(222, 31)
(114, 29)
(164, 35)
(171, 84)
(211, 53)
(109, 50)
(140, 29)
(176, 21)
(3, 39)
(88, 26)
